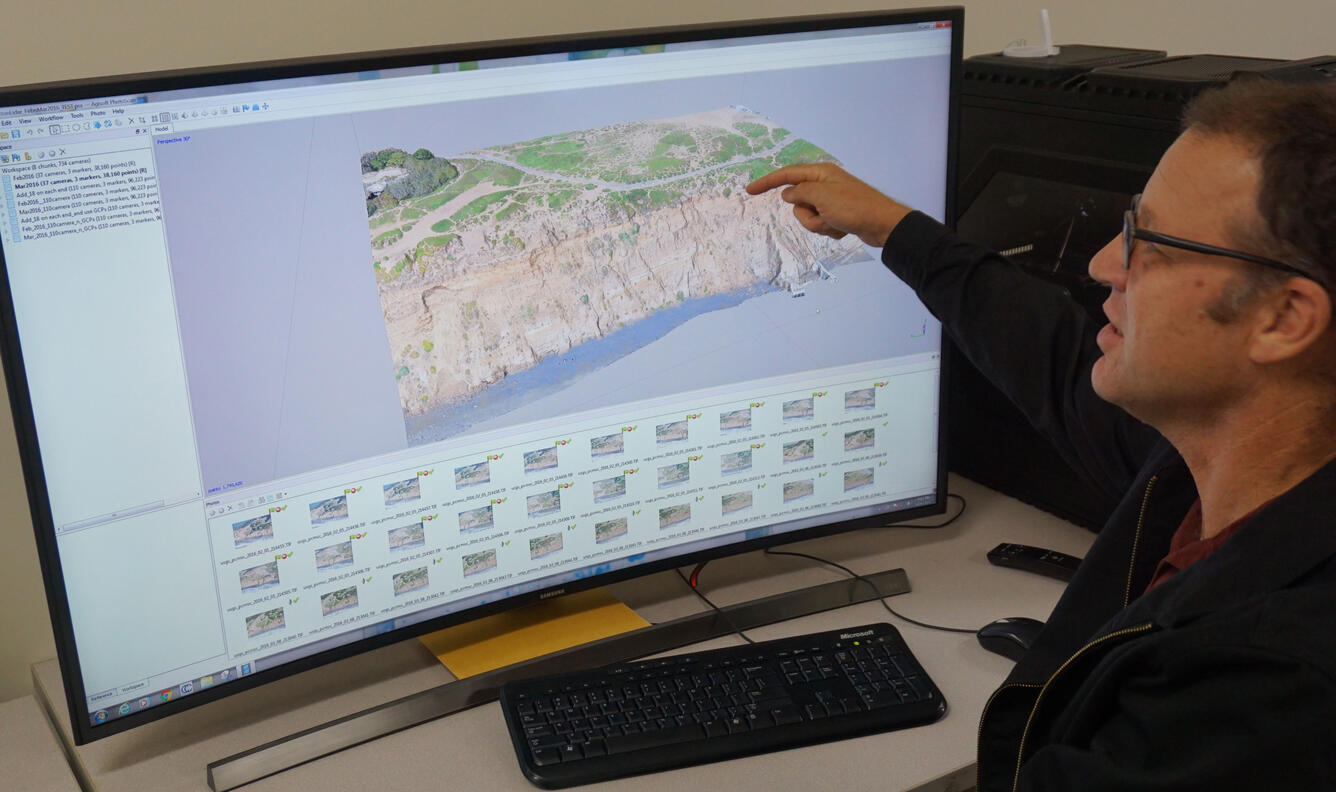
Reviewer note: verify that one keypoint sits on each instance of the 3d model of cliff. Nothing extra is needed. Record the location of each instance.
(494, 260)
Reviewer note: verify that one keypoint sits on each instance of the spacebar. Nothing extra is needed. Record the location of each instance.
(621, 743)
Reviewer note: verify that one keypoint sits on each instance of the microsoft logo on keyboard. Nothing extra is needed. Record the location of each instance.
(848, 636)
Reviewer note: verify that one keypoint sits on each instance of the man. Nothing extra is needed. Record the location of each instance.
(1196, 646)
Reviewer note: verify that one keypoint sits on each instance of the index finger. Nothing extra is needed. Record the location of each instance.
(791, 174)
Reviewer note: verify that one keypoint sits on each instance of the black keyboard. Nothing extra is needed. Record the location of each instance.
(632, 718)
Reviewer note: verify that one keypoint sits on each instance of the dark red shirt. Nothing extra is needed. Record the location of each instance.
(1187, 546)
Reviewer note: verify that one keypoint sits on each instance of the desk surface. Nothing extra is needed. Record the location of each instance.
(30, 752)
(953, 584)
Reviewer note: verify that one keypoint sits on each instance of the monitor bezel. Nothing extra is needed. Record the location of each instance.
(21, 406)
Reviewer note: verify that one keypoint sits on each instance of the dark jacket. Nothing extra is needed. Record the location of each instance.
(1224, 676)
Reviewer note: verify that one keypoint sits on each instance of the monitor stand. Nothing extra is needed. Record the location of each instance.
(360, 727)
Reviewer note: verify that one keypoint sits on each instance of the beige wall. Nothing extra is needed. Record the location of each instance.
(66, 39)
(60, 39)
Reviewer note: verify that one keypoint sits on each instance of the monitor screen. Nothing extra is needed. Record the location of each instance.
(311, 357)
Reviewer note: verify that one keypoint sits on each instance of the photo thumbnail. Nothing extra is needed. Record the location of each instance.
(799, 409)
(608, 530)
(799, 450)
(475, 520)
(609, 488)
(730, 502)
(735, 462)
(859, 438)
(334, 556)
(265, 621)
(540, 459)
(337, 600)
(672, 475)
(407, 537)
(547, 544)
(543, 503)
(674, 515)
(411, 580)
(479, 562)
(402, 491)
(670, 432)
(258, 578)
(735, 420)
(473, 475)
(853, 479)
(329, 509)
(861, 399)
(607, 445)
(798, 489)
(253, 530)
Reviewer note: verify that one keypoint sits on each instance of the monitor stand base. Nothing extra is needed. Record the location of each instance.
(360, 727)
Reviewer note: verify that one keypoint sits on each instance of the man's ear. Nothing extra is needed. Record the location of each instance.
(1293, 319)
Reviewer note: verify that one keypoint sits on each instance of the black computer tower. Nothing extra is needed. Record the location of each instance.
(1051, 151)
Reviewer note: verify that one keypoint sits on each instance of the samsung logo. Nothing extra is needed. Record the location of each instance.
(551, 594)
(847, 636)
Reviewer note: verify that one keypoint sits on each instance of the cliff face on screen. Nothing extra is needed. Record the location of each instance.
(492, 261)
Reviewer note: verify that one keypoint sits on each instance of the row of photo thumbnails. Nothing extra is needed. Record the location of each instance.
(483, 518)
(545, 458)
(547, 502)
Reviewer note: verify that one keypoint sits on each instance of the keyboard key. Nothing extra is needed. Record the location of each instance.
(546, 756)
(883, 699)
(594, 748)
(546, 740)
(636, 742)
(916, 684)
(786, 715)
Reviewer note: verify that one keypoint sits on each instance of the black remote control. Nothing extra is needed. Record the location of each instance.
(1049, 563)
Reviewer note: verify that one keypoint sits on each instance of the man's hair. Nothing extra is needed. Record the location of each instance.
(1292, 129)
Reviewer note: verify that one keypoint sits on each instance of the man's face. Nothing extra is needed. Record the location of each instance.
(1165, 359)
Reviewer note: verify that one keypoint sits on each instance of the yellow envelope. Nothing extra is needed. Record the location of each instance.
(542, 628)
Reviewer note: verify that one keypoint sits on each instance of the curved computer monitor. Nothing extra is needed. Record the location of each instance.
(311, 357)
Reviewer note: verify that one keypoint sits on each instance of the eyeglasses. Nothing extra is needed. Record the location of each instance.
(1131, 234)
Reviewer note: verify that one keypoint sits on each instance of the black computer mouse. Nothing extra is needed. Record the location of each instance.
(1011, 637)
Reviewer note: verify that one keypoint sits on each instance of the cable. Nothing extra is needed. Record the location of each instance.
(880, 597)
(948, 521)
(695, 574)
(692, 585)
(694, 580)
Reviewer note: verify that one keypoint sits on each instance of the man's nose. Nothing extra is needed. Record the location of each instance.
(1107, 265)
